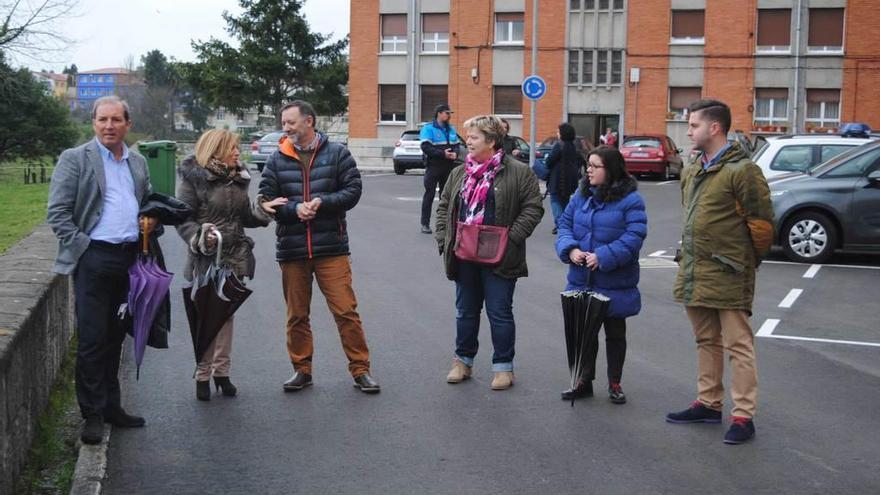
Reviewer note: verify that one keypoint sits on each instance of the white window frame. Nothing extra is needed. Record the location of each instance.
(825, 50)
(435, 40)
(689, 40)
(395, 44)
(771, 120)
(594, 81)
(397, 118)
(773, 49)
(509, 31)
(220, 114)
(824, 120)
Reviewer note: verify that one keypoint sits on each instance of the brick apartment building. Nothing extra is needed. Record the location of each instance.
(632, 65)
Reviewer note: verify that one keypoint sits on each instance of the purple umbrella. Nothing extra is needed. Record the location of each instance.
(148, 286)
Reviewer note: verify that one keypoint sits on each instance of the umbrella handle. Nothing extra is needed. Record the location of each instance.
(219, 246)
(146, 231)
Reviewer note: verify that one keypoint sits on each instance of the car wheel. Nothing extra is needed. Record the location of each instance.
(667, 173)
(809, 237)
(399, 168)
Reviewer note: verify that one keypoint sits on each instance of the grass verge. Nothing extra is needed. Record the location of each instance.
(52, 457)
(22, 206)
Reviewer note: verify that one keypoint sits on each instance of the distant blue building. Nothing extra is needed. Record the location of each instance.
(93, 84)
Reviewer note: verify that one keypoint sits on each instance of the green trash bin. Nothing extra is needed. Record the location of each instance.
(162, 162)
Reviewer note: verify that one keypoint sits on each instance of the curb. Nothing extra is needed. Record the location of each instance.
(91, 466)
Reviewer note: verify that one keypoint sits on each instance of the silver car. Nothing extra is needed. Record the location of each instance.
(833, 206)
(408, 152)
(264, 147)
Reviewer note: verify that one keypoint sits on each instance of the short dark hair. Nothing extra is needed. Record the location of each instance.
(566, 132)
(615, 165)
(111, 99)
(304, 107)
(714, 111)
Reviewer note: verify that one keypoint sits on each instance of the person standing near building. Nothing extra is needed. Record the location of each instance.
(727, 229)
(321, 182)
(565, 163)
(95, 196)
(440, 145)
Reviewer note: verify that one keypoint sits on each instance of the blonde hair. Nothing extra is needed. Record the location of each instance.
(216, 143)
(490, 126)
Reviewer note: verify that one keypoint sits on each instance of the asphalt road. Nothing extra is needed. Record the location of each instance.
(817, 423)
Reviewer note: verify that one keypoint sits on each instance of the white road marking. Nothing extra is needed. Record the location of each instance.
(656, 254)
(824, 341)
(666, 182)
(792, 296)
(404, 198)
(767, 328)
(376, 175)
(862, 267)
(812, 271)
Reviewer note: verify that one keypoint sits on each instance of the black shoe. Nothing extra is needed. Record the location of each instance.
(583, 389)
(741, 431)
(697, 413)
(555, 230)
(203, 390)
(93, 431)
(367, 384)
(615, 394)
(119, 418)
(297, 382)
(426, 229)
(223, 383)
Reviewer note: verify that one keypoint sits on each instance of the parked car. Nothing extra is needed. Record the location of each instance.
(581, 143)
(408, 152)
(653, 154)
(799, 153)
(833, 206)
(264, 147)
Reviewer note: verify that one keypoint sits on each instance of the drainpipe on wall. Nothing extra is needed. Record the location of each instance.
(412, 57)
(797, 68)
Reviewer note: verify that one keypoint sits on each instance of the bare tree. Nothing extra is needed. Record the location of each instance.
(30, 27)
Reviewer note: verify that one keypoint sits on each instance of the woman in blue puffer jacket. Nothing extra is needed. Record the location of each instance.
(600, 235)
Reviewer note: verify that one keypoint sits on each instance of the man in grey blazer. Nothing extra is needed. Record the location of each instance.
(96, 193)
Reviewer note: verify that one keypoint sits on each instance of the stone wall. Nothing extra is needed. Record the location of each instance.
(36, 324)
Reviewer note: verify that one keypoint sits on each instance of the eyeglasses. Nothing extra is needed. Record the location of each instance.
(590, 165)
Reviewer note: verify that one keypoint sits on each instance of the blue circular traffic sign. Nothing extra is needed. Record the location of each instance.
(534, 88)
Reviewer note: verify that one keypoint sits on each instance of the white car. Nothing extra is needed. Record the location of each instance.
(799, 153)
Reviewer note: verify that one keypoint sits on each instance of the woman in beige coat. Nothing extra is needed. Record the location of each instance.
(215, 184)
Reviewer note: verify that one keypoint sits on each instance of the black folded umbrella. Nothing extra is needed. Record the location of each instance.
(583, 313)
(210, 300)
(167, 209)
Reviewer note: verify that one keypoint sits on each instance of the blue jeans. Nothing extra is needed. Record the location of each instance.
(557, 206)
(475, 285)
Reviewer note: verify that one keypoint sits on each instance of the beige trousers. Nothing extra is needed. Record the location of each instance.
(216, 359)
(716, 331)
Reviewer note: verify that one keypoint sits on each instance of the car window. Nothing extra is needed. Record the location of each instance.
(829, 151)
(409, 136)
(795, 158)
(272, 137)
(522, 144)
(641, 142)
(856, 167)
(672, 145)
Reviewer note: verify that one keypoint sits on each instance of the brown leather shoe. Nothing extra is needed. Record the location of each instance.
(503, 380)
(459, 372)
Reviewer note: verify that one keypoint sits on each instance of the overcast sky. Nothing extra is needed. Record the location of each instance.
(108, 31)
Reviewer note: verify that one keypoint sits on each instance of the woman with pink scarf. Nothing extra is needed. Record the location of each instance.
(489, 189)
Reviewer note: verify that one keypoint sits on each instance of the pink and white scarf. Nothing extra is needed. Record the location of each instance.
(479, 177)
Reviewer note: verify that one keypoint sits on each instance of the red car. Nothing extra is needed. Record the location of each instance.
(653, 154)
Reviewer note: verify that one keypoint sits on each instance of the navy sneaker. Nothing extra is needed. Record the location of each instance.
(741, 431)
(697, 413)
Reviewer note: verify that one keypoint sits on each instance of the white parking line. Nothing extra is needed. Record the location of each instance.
(792, 296)
(767, 328)
(861, 267)
(812, 271)
(666, 182)
(656, 254)
(403, 198)
(825, 341)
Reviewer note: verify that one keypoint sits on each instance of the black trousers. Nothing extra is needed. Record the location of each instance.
(435, 175)
(101, 285)
(615, 350)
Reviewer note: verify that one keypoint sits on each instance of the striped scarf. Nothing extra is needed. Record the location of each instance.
(479, 177)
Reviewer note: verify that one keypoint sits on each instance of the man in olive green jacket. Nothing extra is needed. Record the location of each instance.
(727, 229)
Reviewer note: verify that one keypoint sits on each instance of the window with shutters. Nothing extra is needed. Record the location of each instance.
(823, 108)
(435, 33)
(679, 100)
(774, 31)
(688, 27)
(392, 103)
(393, 33)
(432, 95)
(771, 106)
(593, 5)
(825, 31)
(509, 28)
(507, 100)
